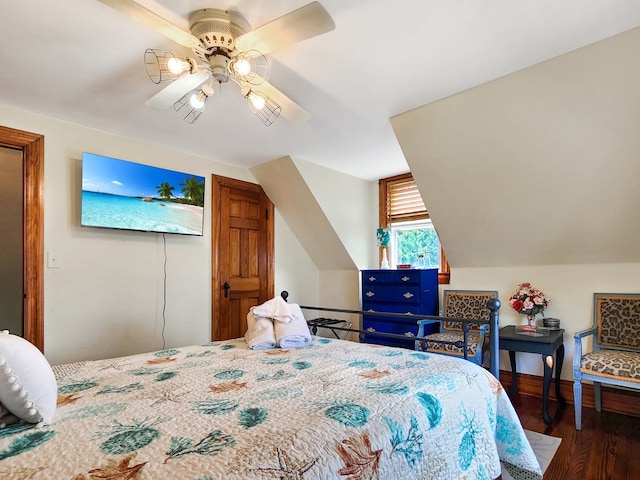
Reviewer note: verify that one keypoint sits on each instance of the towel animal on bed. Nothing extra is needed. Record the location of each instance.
(276, 323)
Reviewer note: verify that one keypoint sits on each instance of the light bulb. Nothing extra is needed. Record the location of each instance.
(197, 100)
(242, 67)
(257, 101)
(176, 65)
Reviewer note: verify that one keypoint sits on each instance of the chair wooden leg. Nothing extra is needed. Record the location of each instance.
(577, 399)
(597, 391)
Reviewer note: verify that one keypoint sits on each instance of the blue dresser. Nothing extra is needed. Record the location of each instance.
(398, 291)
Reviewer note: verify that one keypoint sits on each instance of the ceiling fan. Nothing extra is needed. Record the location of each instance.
(226, 49)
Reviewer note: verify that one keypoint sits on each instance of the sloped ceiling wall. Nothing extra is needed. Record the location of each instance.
(332, 232)
(539, 167)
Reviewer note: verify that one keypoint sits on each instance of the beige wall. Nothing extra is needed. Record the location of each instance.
(331, 214)
(539, 167)
(288, 190)
(106, 299)
(329, 211)
(534, 177)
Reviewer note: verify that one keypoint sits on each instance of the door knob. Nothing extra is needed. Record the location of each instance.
(226, 287)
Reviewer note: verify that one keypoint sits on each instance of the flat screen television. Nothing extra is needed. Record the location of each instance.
(132, 196)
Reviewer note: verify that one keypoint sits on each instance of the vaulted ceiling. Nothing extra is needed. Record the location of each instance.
(539, 167)
(82, 62)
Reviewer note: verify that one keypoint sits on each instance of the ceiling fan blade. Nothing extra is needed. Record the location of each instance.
(303, 23)
(173, 92)
(290, 109)
(145, 16)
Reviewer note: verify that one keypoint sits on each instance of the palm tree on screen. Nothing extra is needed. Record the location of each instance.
(193, 191)
(164, 190)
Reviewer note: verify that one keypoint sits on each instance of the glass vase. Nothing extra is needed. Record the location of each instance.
(385, 261)
(531, 324)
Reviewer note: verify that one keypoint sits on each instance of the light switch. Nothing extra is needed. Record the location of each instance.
(53, 261)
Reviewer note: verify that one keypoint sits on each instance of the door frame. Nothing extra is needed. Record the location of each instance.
(217, 183)
(32, 146)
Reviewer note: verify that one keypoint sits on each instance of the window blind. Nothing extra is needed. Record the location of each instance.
(400, 201)
(404, 201)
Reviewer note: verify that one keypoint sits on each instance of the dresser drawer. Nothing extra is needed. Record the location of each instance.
(406, 277)
(406, 329)
(376, 277)
(392, 293)
(391, 308)
(400, 277)
(409, 330)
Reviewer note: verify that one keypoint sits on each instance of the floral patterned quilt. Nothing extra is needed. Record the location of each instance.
(335, 410)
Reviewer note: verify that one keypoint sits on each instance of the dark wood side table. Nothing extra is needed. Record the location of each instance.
(547, 346)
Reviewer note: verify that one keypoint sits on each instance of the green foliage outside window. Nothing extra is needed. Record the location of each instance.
(419, 247)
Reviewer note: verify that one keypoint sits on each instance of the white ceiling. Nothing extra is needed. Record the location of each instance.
(81, 61)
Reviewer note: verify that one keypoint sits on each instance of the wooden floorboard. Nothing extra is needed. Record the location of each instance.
(607, 447)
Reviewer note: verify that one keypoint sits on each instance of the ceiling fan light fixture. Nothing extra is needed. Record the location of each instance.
(192, 103)
(241, 67)
(228, 49)
(262, 106)
(258, 102)
(177, 66)
(219, 65)
(197, 100)
(166, 66)
(249, 67)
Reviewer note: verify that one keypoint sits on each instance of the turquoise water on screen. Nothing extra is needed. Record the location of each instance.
(132, 213)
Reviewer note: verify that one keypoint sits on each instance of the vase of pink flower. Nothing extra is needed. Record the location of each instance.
(529, 301)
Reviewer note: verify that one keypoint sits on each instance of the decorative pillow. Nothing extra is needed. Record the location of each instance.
(28, 388)
(6, 417)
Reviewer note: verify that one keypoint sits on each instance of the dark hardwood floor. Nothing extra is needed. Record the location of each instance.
(607, 447)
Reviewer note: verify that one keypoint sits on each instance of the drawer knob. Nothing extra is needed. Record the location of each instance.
(409, 334)
(371, 329)
(372, 278)
(370, 294)
(405, 279)
(408, 295)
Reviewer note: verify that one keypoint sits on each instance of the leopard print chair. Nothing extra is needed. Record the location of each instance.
(615, 356)
(460, 304)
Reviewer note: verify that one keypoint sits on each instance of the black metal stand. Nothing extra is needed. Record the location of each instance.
(493, 305)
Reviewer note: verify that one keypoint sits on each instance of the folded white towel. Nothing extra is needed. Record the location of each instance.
(294, 334)
(260, 333)
(276, 309)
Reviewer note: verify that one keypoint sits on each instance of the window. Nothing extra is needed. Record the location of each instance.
(416, 243)
(413, 238)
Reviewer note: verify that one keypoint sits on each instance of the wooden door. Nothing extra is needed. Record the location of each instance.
(32, 146)
(242, 254)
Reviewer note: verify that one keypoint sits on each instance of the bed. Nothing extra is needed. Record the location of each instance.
(336, 409)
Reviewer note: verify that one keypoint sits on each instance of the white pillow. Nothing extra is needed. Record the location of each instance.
(28, 388)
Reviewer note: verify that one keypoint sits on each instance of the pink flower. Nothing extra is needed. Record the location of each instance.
(528, 300)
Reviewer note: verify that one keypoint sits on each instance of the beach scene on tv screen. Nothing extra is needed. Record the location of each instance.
(132, 196)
